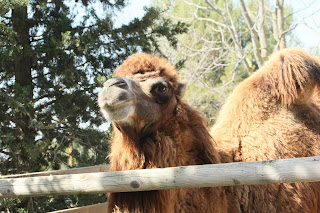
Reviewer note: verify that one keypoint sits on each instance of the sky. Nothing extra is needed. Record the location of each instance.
(133, 10)
(307, 14)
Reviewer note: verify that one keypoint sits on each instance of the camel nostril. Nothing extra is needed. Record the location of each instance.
(117, 81)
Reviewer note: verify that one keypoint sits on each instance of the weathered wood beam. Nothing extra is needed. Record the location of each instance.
(89, 169)
(244, 173)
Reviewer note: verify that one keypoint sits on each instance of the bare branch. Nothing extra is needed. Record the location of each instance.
(214, 8)
(261, 31)
(194, 5)
(254, 36)
(232, 32)
(209, 20)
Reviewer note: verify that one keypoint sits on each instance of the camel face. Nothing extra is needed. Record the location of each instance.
(137, 102)
(116, 99)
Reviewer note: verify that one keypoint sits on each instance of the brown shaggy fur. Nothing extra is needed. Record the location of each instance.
(274, 114)
(178, 139)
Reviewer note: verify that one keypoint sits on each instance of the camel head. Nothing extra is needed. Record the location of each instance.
(143, 95)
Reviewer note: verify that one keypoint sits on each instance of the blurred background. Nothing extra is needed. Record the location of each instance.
(56, 54)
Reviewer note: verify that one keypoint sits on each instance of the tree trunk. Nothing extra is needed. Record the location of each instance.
(261, 31)
(280, 20)
(23, 60)
(23, 88)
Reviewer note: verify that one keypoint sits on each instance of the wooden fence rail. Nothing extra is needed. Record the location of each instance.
(89, 169)
(244, 173)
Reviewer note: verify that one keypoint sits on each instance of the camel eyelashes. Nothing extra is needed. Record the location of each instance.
(160, 89)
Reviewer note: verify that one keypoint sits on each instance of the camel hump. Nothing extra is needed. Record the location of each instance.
(293, 74)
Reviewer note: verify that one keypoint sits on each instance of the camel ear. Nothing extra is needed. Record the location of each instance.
(181, 88)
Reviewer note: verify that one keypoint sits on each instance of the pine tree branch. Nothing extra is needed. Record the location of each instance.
(125, 39)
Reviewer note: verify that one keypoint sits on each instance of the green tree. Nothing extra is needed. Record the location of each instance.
(53, 57)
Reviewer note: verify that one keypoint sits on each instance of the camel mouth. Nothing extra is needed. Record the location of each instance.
(118, 112)
(117, 103)
(117, 106)
(115, 98)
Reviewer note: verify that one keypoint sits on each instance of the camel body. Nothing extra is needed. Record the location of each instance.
(273, 114)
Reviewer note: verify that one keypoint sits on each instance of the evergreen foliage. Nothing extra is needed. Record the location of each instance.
(53, 57)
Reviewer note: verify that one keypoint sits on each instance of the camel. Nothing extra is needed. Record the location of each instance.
(154, 128)
(274, 114)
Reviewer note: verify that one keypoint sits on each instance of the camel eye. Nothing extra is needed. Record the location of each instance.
(161, 92)
(161, 89)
